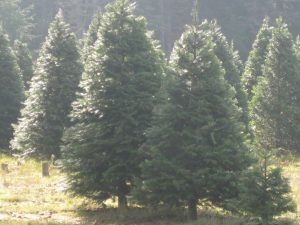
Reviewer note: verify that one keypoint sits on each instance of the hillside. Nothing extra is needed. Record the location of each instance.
(240, 19)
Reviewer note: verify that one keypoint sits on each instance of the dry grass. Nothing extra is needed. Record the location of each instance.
(27, 198)
(26, 195)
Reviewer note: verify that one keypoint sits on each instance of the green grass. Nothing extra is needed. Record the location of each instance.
(27, 198)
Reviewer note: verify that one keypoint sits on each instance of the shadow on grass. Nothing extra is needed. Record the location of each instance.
(131, 216)
(138, 216)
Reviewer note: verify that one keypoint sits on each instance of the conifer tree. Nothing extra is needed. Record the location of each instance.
(119, 84)
(91, 36)
(265, 192)
(16, 20)
(11, 91)
(257, 57)
(196, 144)
(297, 45)
(275, 106)
(24, 61)
(230, 62)
(52, 91)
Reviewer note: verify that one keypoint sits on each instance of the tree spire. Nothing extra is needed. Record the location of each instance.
(195, 12)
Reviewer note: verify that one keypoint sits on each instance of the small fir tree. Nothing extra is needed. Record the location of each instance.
(110, 116)
(275, 106)
(11, 91)
(52, 91)
(257, 57)
(196, 146)
(265, 193)
(24, 61)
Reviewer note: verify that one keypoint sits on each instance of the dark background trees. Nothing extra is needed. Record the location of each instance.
(11, 91)
(239, 19)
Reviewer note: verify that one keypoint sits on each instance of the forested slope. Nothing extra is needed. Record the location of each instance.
(239, 19)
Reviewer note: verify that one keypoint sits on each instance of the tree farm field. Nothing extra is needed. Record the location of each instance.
(27, 198)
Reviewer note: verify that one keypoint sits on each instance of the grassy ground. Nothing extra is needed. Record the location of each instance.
(27, 198)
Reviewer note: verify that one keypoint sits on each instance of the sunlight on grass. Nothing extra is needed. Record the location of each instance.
(27, 198)
(292, 171)
(23, 191)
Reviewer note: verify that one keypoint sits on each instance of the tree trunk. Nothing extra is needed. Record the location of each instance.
(123, 189)
(265, 220)
(122, 202)
(4, 167)
(45, 169)
(192, 210)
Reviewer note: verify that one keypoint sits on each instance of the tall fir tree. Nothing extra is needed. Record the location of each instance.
(275, 106)
(91, 36)
(265, 192)
(196, 145)
(24, 61)
(230, 62)
(11, 91)
(110, 116)
(257, 57)
(52, 91)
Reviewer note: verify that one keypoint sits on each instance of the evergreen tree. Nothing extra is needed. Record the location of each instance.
(16, 20)
(110, 116)
(297, 46)
(11, 91)
(52, 91)
(257, 57)
(265, 192)
(275, 106)
(196, 145)
(91, 36)
(24, 61)
(230, 62)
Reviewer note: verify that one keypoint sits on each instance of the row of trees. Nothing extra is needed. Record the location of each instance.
(181, 133)
(239, 19)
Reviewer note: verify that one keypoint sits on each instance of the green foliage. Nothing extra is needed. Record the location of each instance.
(265, 193)
(52, 91)
(16, 20)
(120, 81)
(275, 106)
(24, 61)
(196, 145)
(91, 36)
(11, 91)
(257, 58)
(230, 62)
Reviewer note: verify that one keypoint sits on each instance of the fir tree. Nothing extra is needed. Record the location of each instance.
(52, 91)
(264, 191)
(257, 57)
(24, 61)
(230, 62)
(91, 36)
(110, 116)
(275, 106)
(16, 20)
(196, 145)
(11, 91)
